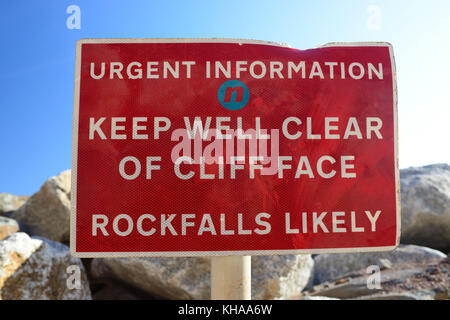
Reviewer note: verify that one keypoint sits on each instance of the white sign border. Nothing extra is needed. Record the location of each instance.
(76, 103)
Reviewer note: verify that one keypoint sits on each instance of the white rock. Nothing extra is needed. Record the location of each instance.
(334, 265)
(7, 226)
(47, 212)
(36, 269)
(14, 250)
(9, 202)
(189, 278)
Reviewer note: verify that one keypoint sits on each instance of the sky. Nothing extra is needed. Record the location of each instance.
(37, 60)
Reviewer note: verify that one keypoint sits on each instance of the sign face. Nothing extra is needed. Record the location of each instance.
(233, 147)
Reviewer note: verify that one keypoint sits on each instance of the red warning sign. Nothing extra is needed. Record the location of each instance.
(222, 147)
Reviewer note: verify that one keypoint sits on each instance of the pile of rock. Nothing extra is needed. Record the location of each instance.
(35, 262)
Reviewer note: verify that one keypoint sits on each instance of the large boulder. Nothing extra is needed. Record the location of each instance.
(10, 202)
(7, 226)
(189, 278)
(163, 278)
(425, 201)
(334, 265)
(37, 269)
(281, 276)
(47, 212)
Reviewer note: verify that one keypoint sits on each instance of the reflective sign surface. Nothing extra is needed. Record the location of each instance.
(209, 147)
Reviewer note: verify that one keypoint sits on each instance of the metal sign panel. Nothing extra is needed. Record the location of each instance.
(186, 147)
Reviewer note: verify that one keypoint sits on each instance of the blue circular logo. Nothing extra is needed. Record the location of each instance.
(233, 95)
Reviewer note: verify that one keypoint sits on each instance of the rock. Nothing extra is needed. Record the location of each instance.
(363, 285)
(114, 290)
(391, 296)
(410, 280)
(280, 276)
(189, 278)
(164, 278)
(36, 269)
(429, 230)
(47, 212)
(430, 294)
(425, 202)
(342, 280)
(14, 251)
(441, 293)
(7, 226)
(384, 264)
(350, 289)
(335, 265)
(9, 202)
(431, 270)
(315, 298)
(414, 295)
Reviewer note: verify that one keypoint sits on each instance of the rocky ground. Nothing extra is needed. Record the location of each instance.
(423, 280)
(35, 262)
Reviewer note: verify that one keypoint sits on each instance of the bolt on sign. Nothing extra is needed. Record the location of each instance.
(189, 147)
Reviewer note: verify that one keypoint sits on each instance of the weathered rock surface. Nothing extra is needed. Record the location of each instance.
(10, 202)
(169, 278)
(36, 269)
(425, 202)
(313, 298)
(115, 290)
(417, 280)
(392, 296)
(7, 226)
(189, 278)
(333, 265)
(47, 212)
(280, 276)
(351, 287)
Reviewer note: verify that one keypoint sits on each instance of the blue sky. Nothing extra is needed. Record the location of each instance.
(37, 59)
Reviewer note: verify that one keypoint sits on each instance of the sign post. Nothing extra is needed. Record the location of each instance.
(232, 148)
(231, 278)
